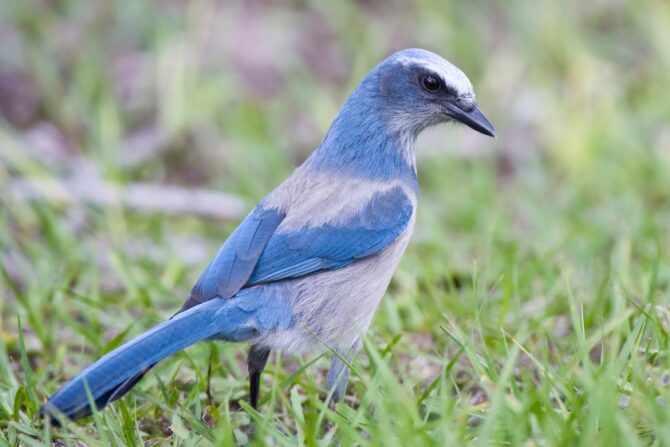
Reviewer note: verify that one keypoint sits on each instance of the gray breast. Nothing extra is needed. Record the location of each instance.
(334, 308)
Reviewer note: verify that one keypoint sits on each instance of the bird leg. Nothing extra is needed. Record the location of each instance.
(338, 374)
(258, 357)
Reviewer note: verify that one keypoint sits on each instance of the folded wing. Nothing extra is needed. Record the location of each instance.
(258, 252)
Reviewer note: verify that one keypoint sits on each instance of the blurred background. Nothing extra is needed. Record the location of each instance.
(135, 135)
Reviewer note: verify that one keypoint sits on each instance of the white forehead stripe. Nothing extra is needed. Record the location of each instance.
(451, 74)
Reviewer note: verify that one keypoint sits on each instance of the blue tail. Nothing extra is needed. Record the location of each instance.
(114, 374)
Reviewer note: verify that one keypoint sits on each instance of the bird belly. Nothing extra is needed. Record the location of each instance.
(333, 309)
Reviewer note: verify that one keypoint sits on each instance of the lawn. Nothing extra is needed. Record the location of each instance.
(532, 306)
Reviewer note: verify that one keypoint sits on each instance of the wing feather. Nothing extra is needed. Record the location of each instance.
(257, 253)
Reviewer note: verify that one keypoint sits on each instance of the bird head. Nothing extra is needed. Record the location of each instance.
(374, 132)
(414, 89)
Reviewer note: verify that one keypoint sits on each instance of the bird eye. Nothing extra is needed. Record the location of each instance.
(430, 83)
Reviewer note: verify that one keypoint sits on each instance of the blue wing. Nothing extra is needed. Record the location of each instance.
(255, 253)
(232, 266)
(331, 246)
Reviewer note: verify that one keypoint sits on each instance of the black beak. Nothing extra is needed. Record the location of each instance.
(473, 118)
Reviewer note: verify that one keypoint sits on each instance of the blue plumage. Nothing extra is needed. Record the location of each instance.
(329, 246)
(236, 319)
(232, 266)
(307, 267)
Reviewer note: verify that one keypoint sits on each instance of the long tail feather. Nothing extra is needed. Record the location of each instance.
(116, 373)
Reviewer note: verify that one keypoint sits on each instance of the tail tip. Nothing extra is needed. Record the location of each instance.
(50, 412)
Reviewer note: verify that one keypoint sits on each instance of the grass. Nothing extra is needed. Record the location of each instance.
(531, 308)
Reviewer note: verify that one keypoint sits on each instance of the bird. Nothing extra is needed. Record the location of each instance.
(305, 271)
